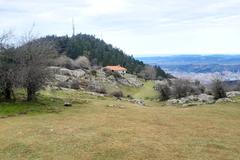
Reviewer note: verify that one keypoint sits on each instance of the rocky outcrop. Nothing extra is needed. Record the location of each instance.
(224, 100)
(67, 72)
(233, 94)
(192, 100)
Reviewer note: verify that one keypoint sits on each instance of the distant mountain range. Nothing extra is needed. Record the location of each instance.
(196, 63)
(201, 67)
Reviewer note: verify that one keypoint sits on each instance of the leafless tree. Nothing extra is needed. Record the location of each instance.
(8, 67)
(34, 57)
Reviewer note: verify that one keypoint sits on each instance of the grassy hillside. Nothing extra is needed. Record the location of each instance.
(93, 130)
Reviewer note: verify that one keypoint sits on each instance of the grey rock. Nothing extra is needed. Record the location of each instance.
(67, 104)
(224, 100)
(138, 102)
(233, 94)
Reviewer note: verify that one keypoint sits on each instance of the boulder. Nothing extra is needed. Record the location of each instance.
(78, 73)
(138, 102)
(67, 104)
(206, 99)
(172, 102)
(224, 100)
(233, 94)
(67, 72)
(61, 78)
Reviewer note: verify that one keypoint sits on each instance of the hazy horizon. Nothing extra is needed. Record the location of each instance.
(137, 27)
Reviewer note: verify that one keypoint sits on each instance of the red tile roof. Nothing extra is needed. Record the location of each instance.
(116, 68)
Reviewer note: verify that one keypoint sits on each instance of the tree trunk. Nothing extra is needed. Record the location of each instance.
(30, 94)
(8, 91)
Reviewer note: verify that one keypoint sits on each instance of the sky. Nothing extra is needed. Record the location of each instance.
(138, 27)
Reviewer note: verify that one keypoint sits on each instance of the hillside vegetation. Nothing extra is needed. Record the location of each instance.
(98, 52)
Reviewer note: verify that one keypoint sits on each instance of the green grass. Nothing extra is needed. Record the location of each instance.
(145, 92)
(91, 130)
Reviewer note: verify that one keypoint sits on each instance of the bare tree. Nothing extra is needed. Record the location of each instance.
(35, 56)
(8, 67)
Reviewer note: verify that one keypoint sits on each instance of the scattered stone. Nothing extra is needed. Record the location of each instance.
(67, 104)
(190, 105)
(138, 102)
(116, 106)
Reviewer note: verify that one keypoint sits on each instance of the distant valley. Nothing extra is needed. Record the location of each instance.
(202, 67)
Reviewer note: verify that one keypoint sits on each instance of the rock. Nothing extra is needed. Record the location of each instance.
(67, 72)
(224, 100)
(78, 73)
(67, 104)
(233, 94)
(172, 102)
(95, 94)
(184, 100)
(192, 100)
(206, 99)
(190, 105)
(116, 106)
(61, 78)
(138, 102)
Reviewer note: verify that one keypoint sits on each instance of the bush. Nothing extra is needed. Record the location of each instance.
(82, 62)
(180, 88)
(114, 74)
(218, 90)
(75, 84)
(164, 91)
(64, 61)
(94, 73)
(117, 94)
(130, 97)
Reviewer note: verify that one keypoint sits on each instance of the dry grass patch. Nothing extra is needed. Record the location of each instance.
(93, 131)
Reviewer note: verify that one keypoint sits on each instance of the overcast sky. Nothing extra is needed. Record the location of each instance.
(139, 27)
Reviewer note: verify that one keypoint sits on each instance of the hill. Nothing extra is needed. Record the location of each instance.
(98, 52)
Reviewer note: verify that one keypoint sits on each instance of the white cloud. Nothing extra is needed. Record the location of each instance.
(136, 26)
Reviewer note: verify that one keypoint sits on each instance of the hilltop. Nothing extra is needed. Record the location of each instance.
(98, 52)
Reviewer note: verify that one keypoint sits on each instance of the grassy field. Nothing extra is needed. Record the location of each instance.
(91, 130)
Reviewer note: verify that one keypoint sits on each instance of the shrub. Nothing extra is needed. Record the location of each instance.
(114, 74)
(117, 94)
(82, 62)
(64, 61)
(164, 91)
(218, 90)
(180, 88)
(94, 73)
(129, 96)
